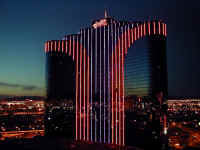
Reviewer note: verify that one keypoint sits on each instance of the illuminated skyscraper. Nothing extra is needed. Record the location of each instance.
(106, 68)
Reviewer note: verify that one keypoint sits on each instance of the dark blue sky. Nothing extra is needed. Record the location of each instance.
(26, 24)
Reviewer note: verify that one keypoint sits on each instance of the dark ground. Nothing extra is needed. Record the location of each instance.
(55, 143)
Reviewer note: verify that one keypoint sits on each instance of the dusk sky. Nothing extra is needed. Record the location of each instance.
(26, 24)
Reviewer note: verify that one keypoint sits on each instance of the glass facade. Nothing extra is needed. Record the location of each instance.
(145, 67)
(60, 76)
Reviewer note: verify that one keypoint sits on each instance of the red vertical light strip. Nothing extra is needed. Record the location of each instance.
(81, 51)
(70, 44)
(58, 46)
(135, 33)
(114, 82)
(45, 47)
(116, 94)
(129, 40)
(100, 115)
(135, 39)
(141, 30)
(112, 86)
(122, 49)
(154, 28)
(80, 91)
(51, 45)
(88, 83)
(104, 84)
(125, 40)
(84, 87)
(48, 46)
(121, 95)
(91, 87)
(138, 33)
(77, 61)
(117, 86)
(149, 28)
(62, 45)
(108, 75)
(165, 29)
(73, 55)
(88, 90)
(127, 37)
(66, 48)
(144, 29)
(119, 55)
(117, 77)
(123, 119)
(132, 32)
(55, 46)
(159, 27)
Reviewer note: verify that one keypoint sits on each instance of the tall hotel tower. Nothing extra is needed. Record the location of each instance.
(103, 64)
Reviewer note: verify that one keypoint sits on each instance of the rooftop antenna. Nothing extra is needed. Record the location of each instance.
(105, 14)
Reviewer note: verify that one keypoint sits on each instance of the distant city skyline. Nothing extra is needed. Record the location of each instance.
(26, 25)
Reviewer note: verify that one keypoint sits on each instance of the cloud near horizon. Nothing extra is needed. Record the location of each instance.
(24, 87)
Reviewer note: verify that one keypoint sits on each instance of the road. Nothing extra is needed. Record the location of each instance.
(179, 141)
(21, 134)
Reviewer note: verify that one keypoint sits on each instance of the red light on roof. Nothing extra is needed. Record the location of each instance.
(45, 45)
(135, 33)
(144, 28)
(112, 86)
(149, 28)
(51, 45)
(88, 92)
(62, 45)
(154, 27)
(66, 47)
(48, 44)
(70, 43)
(58, 45)
(159, 27)
(73, 48)
(132, 31)
(55, 46)
(129, 38)
(163, 28)
(84, 87)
